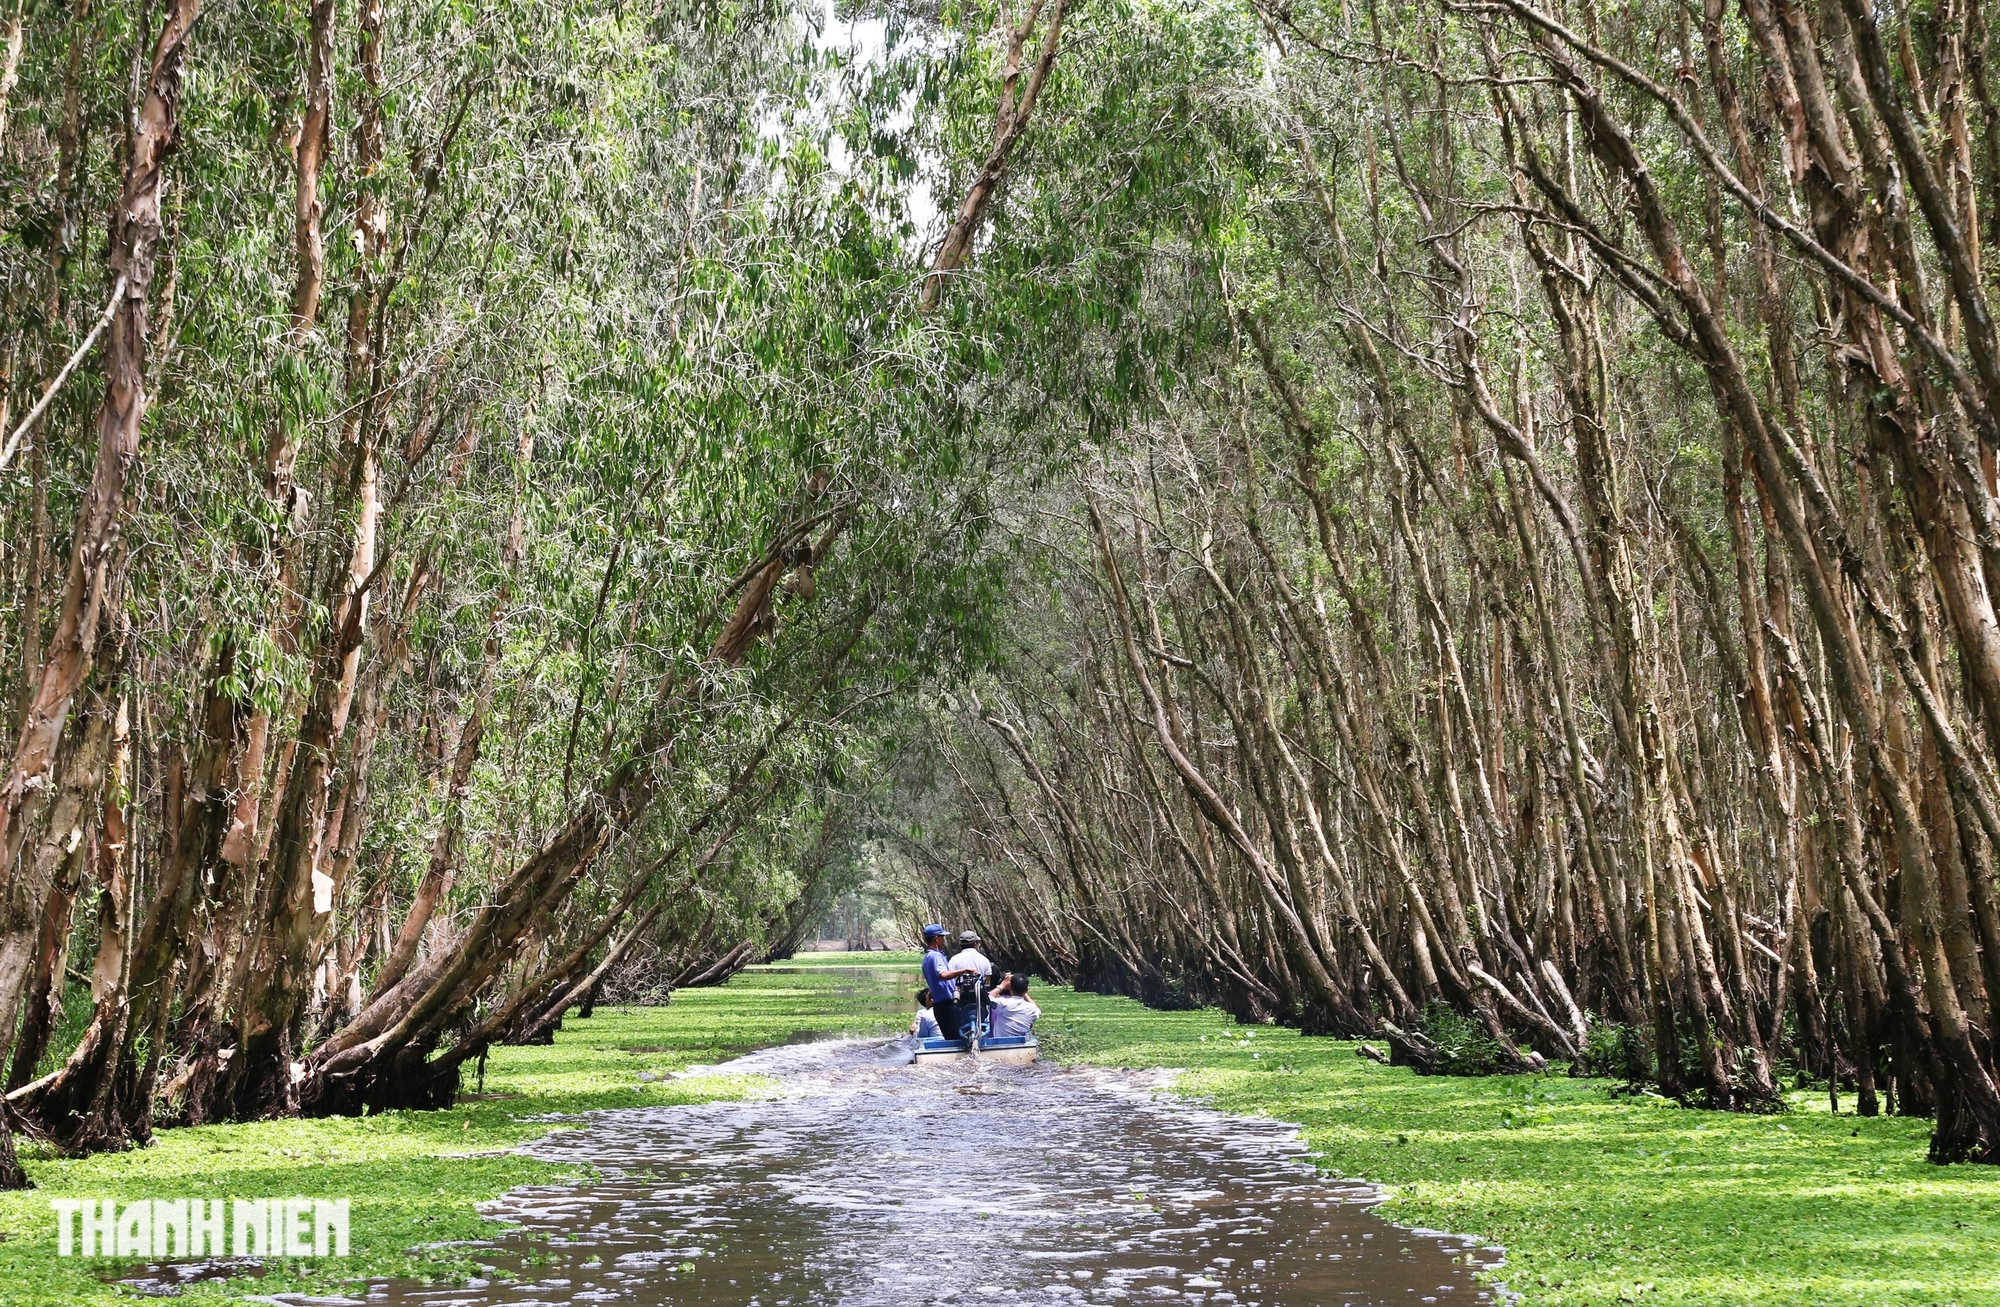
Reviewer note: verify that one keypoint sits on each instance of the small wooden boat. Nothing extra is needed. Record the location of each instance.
(1017, 1051)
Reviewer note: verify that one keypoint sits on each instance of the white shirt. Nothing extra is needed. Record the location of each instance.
(925, 1026)
(1013, 1017)
(970, 957)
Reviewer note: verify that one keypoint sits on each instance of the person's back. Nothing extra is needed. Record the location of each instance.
(972, 958)
(969, 957)
(1014, 1013)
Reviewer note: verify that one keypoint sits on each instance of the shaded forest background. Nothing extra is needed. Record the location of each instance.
(1467, 524)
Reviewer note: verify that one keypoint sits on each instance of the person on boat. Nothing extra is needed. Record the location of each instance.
(924, 1025)
(941, 979)
(968, 955)
(1014, 1013)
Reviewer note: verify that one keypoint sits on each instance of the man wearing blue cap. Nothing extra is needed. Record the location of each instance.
(940, 978)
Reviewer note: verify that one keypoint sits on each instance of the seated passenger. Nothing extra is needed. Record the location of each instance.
(924, 1025)
(1014, 1013)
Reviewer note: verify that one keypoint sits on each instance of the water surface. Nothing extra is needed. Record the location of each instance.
(874, 1183)
(869, 1182)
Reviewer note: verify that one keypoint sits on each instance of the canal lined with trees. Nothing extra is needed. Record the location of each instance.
(1591, 1192)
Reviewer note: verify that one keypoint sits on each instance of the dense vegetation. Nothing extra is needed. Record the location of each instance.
(1470, 524)
(520, 471)
(1533, 558)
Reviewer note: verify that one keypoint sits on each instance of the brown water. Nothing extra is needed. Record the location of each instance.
(872, 1183)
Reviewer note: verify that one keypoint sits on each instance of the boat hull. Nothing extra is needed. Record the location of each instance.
(1004, 1052)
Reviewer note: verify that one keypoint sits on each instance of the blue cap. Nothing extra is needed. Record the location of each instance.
(933, 929)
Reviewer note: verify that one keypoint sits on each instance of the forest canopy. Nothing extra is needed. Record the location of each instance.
(1470, 524)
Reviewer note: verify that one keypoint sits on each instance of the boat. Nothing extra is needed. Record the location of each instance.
(1006, 1050)
(1020, 1050)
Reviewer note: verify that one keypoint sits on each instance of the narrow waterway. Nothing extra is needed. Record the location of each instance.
(870, 1182)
